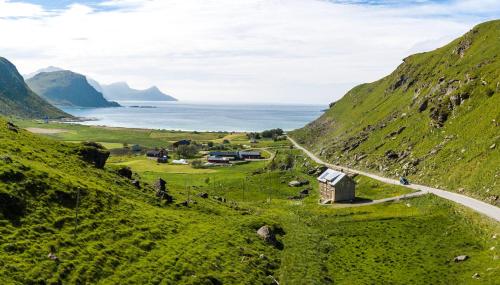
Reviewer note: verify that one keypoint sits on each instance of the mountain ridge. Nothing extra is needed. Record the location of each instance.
(17, 99)
(67, 88)
(434, 119)
(122, 91)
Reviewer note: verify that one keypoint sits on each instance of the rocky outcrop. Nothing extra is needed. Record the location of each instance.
(94, 153)
(125, 172)
(267, 234)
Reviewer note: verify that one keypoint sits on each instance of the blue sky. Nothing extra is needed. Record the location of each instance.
(307, 51)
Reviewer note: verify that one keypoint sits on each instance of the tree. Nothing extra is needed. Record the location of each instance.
(186, 151)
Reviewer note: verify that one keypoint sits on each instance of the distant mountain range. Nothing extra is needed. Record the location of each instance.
(121, 91)
(66, 88)
(17, 99)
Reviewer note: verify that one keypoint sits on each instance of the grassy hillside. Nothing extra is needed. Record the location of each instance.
(67, 88)
(17, 99)
(435, 119)
(123, 235)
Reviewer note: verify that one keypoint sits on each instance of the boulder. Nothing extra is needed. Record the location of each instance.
(160, 185)
(125, 172)
(296, 183)
(390, 154)
(203, 195)
(267, 234)
(12, 127)
(423, 106)
(305, 191)
(94, 153)
(137, 184)
(461, 258)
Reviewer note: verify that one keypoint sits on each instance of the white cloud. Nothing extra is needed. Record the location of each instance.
(249, 50)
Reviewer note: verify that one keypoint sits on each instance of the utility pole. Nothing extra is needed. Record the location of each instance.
(76, 211)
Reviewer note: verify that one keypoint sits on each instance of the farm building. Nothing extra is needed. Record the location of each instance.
(335, 186)
(157, 153)
(237, 155)
(215, 159)
(181, 142)
(249, 155)
(228, 154)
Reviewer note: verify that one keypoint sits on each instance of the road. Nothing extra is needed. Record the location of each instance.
(476, 205)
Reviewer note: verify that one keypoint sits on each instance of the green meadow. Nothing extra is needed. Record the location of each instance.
(125, 235)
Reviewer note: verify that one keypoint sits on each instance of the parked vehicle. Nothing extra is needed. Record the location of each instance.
(404, 181)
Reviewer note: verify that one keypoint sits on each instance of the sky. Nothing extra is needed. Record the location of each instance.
(274, 51)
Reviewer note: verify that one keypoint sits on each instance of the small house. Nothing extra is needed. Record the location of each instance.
(249, 155)
(157, 153)
(336, 186)
(181, 142)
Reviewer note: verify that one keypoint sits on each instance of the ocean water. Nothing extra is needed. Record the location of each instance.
(200, 116)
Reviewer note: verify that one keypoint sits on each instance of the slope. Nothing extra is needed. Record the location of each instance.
(434, 119)
(121, 233)
(67, 88)
(17, 99)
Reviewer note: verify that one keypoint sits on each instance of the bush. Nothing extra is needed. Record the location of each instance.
(197, 164)
(187, 151)
(272, 133)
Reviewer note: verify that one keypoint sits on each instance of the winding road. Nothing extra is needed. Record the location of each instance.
(476, 205)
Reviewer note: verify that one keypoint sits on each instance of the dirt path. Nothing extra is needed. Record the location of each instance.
(46, 131)
(476, 205)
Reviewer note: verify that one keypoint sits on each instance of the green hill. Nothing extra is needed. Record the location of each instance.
(435, 119)
(67, 88)
(17, 99)
(64, 221)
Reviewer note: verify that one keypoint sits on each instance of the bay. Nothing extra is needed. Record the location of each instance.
(193, 116)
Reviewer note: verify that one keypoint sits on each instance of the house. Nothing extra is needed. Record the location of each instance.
(249, 155)
(181, 142)
(335, 186)
(157, 153)
(226, 154)
(219, 160)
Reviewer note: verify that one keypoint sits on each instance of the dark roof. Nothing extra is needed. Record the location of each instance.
(224, 153)
(251, 153)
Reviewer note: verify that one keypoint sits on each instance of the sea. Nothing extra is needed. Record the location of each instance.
(192, 116)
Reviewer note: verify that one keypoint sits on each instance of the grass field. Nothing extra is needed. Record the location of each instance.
(125, 236)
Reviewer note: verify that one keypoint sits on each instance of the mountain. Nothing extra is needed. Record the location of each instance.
(46, 69)
(17, 99)
(67, 88)
(435, 119)
(121, 91)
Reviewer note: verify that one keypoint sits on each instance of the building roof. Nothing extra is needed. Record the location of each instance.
(224, 153)
(216, 158)
(252, 153)
(331, 176)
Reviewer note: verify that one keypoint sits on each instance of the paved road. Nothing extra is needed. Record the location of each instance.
(476, 205)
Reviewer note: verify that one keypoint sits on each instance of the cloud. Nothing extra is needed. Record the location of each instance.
(254, 50)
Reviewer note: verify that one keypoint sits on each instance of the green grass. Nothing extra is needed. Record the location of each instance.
(143, 137)
(367, 188)
(124, 236)
(359, 129)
